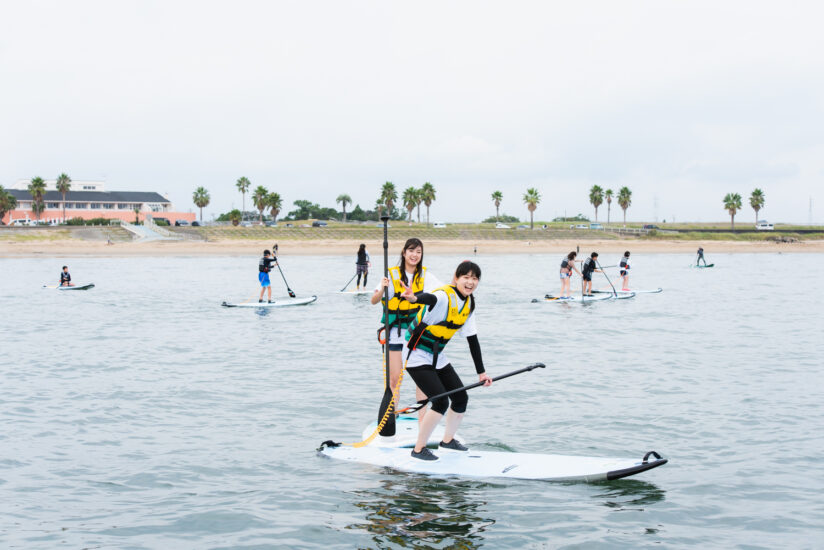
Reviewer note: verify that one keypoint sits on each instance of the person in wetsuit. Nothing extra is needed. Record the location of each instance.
(589, 267)
(264, 267)
(449, 310)
(65, 278)
(362, 265)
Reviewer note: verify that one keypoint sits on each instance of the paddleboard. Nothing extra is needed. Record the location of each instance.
(356, 292)
(703, 266)
(651, 291)
(549, 298)
(284, 302)
(406, 434)
(75, 287)
(495, 464)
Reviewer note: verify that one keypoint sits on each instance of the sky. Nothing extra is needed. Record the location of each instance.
(682, 102)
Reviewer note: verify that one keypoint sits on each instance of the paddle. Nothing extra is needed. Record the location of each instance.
(386, 402)
(350, 282)
(422, 404)
(605, 275)
(277, 263)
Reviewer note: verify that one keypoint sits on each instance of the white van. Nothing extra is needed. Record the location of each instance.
(764, 225)
(438, 225)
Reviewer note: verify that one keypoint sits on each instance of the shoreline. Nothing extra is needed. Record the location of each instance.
(79, 248)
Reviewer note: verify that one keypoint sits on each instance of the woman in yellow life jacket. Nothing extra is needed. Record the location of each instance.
(410, 273)
(448, 311)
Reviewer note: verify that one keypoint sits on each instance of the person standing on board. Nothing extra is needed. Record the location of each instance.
(264, 267)
(362, 265)
(623, 267)
(409, 273)
(567, 267)
(700, 256)
(448, 311)
(65, 278)
(587, 270)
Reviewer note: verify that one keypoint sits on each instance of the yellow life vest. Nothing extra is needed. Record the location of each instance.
(401, 311)
(433, 338)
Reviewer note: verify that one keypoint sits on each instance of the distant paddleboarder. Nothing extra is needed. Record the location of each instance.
(362, 265)
(264, 267)
(623, 267)
(449, 310)
(700, 256)
(589, 267)
(567, 267)
(65, 278)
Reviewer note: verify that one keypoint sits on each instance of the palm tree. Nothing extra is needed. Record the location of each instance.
(596, 198)
(624, 201)
(63, 184)
(201, 198)
(418, 201)
(274, 202)
(259, 200)
(497, 197)
(235, 217)
(37, 188)
(7, 202)
(532, 197)
(732, 204)
(388, 196)
(428, 195)
(243, 184)
(757, 202)
(608, 196)
(410, 199)
(344, 200)
(136, 212)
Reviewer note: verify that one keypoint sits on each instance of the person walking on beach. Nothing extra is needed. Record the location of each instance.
(65, 278)
(362, 265)
(411, 274)
(567, 267)
(623, 267)
(700, 256)
(449, 310)
(589, 267)
(264, 267)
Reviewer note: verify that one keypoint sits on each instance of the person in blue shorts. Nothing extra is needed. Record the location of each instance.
(264, 267)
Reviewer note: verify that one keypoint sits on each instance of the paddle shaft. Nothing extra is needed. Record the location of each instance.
(385, 220)
(350, 281)
(422, 404)
(277, 263)
(605, 275)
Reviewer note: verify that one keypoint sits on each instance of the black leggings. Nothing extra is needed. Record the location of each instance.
(434, 381)
(365, 275)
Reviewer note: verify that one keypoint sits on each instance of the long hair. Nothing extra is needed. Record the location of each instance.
(414, 242)
(361, 249)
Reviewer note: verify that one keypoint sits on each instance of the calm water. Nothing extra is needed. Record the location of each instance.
(141, 414)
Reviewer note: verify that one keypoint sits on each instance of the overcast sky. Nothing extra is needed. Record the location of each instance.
(680, 101)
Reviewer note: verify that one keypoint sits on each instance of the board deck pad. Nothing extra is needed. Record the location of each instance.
(283, 302)
(496, 464)
(406, 434)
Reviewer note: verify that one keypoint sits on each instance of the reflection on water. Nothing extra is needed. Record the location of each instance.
(626, 494)
(411, 510)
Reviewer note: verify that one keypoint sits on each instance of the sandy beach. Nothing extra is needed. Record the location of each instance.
(79, 248)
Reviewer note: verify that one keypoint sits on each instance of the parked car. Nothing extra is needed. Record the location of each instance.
(381, 225)
(246, 224)
(650, 226)
(582, 226)
(270, 224)
(195, 223)
(20, 221)
(181, 223)
(523, 227)
(764, 225)
(500, 225)
(289, 225)
(596, 226)
(319, 224)
(438, 225)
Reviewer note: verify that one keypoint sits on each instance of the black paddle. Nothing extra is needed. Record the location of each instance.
(277, 263)
(605, 275)
(422, 404)
(389, 427)
(350, 282)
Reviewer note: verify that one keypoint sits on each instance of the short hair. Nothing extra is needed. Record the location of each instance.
(65, 267)
(467, 268)
(267, 253)
(593, 255)
(626, 254)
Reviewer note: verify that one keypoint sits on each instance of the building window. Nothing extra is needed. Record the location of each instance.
(89, 187)
(94, 205)
(108, 206)
(53, 205)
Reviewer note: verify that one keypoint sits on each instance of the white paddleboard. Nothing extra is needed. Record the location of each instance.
(284, 302)
(75, 287)
(650, 291)
(356, 292)
(496, 464)
(406, 434)
(549, 298)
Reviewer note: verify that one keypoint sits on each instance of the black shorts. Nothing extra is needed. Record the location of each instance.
(587, 277)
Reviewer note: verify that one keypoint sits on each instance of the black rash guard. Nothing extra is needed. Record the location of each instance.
(65, 277)
(265, 264)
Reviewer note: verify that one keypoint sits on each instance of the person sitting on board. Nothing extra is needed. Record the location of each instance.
(700, 256)
(623, 267)
(410, 272)
(449, 310)
(264, 267)
(65, 278)
(587, 270)
(567, 267)
(362, 265)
